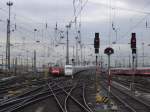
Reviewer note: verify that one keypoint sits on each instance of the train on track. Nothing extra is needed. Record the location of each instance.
(56, 71)
(68, 70)
(72, 70)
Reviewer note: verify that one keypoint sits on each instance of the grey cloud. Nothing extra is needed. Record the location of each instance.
(61, 11)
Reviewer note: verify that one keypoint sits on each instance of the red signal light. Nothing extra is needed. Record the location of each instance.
(96, 41)
(133, 41)
(109, 51)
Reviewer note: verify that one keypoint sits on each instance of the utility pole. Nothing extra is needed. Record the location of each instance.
(34, 61)
(21, 63)
(73, 57)
(27, 61)
(136, 57)
(76, 50)
(129, 62)
(16, 65)
(67, 52)
(143, 53)
(67, 46)
(9, 4)
(84, 54)
(101, 62)
(80, 42)
(124, 64)
(2, 62)
(13, 63)
(81, 54)
(32, 64)
(115, 63)
(81, 47)
(73, 52)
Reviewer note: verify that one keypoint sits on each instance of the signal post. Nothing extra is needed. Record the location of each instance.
(109, 51)
(96, 46)
(134, 58)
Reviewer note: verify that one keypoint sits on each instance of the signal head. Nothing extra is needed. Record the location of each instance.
(133, 41)
(96, 41)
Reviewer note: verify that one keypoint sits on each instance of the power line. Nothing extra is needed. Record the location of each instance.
(141, 20)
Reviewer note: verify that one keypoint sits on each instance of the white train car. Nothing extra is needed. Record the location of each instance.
(71, 70)
(68, 70)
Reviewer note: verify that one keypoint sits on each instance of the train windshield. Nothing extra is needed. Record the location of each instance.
(68, 67)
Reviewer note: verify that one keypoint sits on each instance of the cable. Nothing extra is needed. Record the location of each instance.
(110, 21)
(135, 26)
(82, 7)
(147, 14)
(23, 17)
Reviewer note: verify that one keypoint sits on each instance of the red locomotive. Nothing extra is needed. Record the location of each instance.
(56, 71)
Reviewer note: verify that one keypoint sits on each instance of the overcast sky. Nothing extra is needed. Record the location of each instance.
(127, 16)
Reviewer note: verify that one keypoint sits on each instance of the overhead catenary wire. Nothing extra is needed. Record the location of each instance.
(23, 29)
(31, 20)
(132, 28)
(15, 26)
(136, 24)
(78, 6)
(110, 22)
(25, 19)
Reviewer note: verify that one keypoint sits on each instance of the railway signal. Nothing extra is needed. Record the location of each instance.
(133, 43)
(96, 40)
(108, 51)
(96, 46)
(134, 58)
(96, 43)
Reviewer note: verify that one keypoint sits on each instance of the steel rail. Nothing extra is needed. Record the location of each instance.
(60, 106)
(74, 99)
(14, 109)
(126, 104)
(85, 99)
(68, 97)
(15, 102)
(40, 96)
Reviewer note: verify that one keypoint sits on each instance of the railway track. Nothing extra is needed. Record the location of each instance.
(74, 97)
(137, 86)
(61, 91)
(131, 102)
(16, 86)
(19, 103)
(9, 91)
(127, 102)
